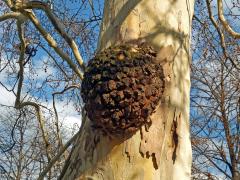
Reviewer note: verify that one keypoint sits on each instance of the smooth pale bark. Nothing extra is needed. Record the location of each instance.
(164, 151)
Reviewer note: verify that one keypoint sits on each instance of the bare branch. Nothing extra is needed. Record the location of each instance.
(18, 103)
(11, 15)
(44, 6)
(221, 35)
(8, 2)
(53, 43)
(224, 22)
(56, 114)
(20, 61)
(62, 150)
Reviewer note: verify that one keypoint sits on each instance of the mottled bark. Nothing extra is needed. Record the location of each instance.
(164, 150)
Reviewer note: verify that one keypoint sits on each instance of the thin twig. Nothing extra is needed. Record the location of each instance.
(44, 6)
(62, 150)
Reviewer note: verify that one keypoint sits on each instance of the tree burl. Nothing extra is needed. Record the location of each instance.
(121, 88)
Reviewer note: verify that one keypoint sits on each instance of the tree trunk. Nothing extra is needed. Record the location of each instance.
(164, 150)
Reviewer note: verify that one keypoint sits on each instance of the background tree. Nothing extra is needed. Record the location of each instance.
(215, 94)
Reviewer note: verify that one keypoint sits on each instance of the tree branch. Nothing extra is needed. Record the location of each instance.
(221, 35)
(224, 22)
(56, 113)
(18, 103)
(8, 2)
(53, 43)
(44, 6)
(62, 150)
(11, 15)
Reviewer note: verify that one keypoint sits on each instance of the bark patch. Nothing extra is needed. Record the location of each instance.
(175, 138)
(153, 139)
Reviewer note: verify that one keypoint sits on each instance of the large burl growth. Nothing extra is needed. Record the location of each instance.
(121, 88)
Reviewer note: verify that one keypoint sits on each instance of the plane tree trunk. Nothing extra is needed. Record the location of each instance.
(164, 150)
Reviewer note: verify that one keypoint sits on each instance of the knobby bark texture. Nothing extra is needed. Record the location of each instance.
(163, 151)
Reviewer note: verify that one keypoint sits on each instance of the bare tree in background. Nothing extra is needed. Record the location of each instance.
(215, 95)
